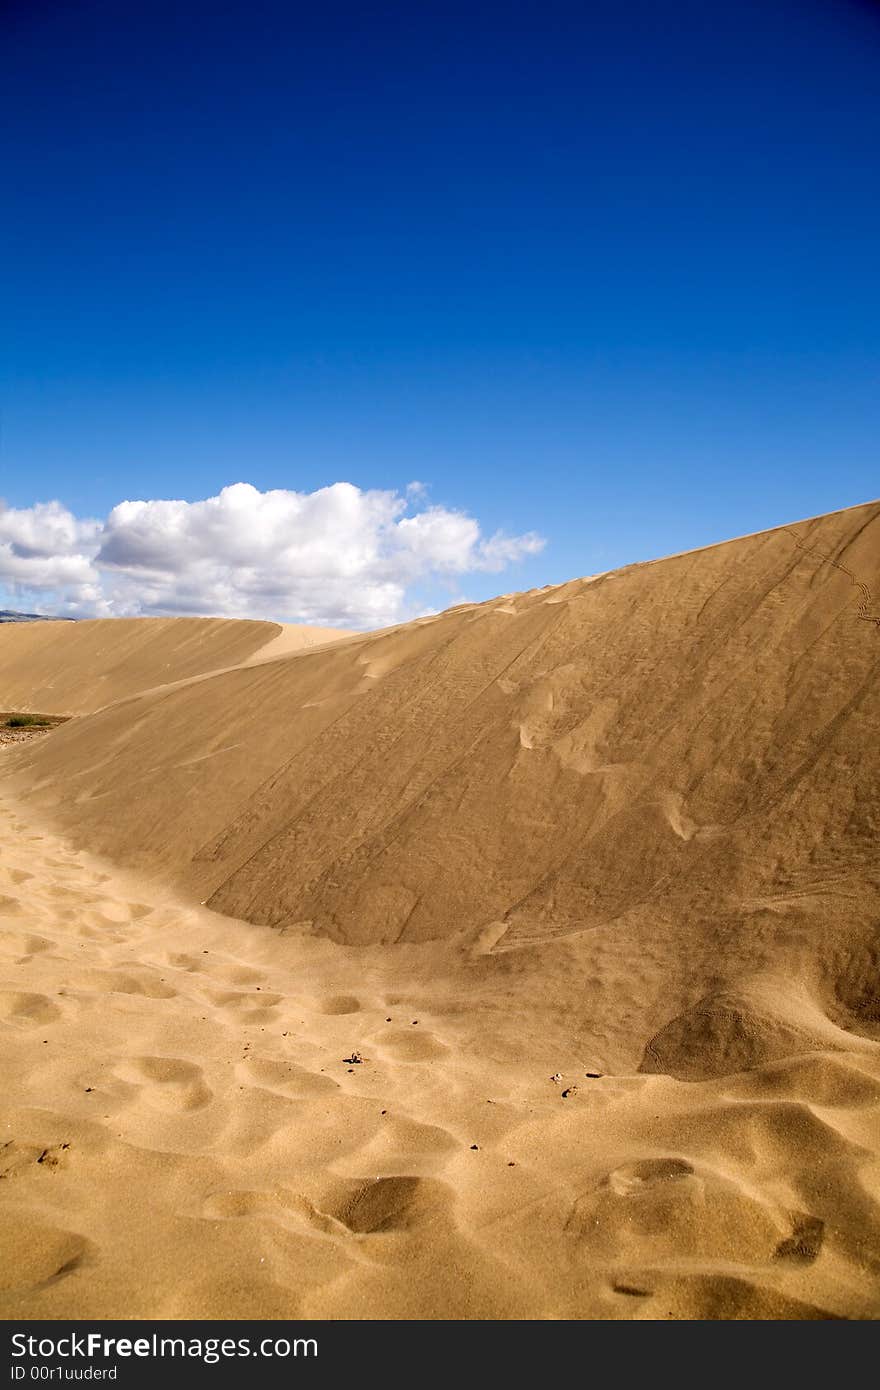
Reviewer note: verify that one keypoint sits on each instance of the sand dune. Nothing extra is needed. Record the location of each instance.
(75, 668)
(587, 877)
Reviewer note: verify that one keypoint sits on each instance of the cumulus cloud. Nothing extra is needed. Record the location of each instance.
(341, 556)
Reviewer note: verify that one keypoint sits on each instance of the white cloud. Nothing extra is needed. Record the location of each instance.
(340, 556)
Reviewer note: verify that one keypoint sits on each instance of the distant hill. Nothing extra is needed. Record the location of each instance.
(78, 667)
(8, 615)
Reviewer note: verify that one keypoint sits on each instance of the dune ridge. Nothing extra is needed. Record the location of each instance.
(58, 667)
(522, 961)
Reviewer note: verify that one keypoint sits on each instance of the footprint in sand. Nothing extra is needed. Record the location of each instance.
(252, 1007)
(101, 934)
(167, 1083)
(34, 1255)
(115, 912)
(285, 1077)
(384, 1206)
(335, 1004)
(62, 896)
(179, 960)
(401, 1135)
(635, 1177)
(16, 1006)
(23, 945)
(235, 1204)
(15, 876)
(19, 1160)
(145, 983)
(410, 1045)
(96, 912)
(802, 1247)
(238, 1001)
(667, 1209)
(278, 1207)
(235, 974)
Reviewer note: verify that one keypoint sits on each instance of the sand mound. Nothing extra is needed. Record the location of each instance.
(569, 1008)
(75, 668)
(849, 976)
(737, 1030)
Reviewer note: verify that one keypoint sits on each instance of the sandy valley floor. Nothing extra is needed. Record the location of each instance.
(181, 1136)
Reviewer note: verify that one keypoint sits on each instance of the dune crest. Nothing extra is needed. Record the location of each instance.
(77, 668)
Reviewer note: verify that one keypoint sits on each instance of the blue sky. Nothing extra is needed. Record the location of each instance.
(602, 272)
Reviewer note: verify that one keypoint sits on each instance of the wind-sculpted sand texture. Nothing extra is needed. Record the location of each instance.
(539, 975)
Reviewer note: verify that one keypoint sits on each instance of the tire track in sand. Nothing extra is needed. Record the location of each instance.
(866, 602)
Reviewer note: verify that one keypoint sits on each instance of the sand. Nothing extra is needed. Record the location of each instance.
(586, 877)
(76, 668)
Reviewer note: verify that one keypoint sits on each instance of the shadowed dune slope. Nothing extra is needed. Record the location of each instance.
(76, 668)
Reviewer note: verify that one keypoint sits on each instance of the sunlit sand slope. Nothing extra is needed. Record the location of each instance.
(75, 668)
(698, 730)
